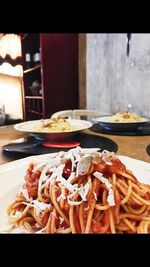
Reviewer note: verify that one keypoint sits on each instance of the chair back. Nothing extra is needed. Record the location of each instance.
(78, 114)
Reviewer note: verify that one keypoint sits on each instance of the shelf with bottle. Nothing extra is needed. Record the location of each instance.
(32, 61)
(33, 85)
(34, 104)
(35, 88)
(34, 115)
(24, 35)
(33, 97)
(28, 70)
(35, 112)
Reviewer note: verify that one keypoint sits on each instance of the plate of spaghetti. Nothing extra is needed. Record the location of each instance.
(79, 191)
(122, 121)
(55, 129)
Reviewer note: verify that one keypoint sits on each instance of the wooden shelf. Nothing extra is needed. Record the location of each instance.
(34, 97)
(24, 36)
(32, 69)
(53, 76)
(35, 112)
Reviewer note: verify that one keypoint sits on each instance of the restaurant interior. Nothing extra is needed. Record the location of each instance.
(64, 94)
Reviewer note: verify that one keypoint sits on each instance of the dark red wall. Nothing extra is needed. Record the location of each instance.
(60, 71)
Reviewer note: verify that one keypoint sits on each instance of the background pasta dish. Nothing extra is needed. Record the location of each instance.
(56, 125)
(81, 191)
(125, 116)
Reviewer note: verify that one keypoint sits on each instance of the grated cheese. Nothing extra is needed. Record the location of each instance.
(17, 215)
(106, 155)
(40, 165)
(41, 230)
(90, 150)
(66, 184)
(95, 195)
(39, 206)
(83, 191)
(73, 193)
(61, 220)
(84, 165)
(61, 196)
(56, 162)
(87, 208)
(110, 198)
(26, 195)
(37, 225)
(81, 159)
(74, 203)
(71, 177)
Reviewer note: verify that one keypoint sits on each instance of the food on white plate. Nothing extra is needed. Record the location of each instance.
(80, 191)
(126, 116)
(56, 125)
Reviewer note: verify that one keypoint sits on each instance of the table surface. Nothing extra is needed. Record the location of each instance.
(132, 146)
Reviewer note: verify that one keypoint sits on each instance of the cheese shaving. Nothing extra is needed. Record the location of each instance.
(39, 166)
(61, 220)
(110, 198)
(61, 197)
(39, 206)
(83, 191)
(95, 195)
(17, 215)
(26, 195)
(84, 165)
(37, 225)
(41, 230)
(74, 203)
(66, 184)
(71, 177)
(53, 163)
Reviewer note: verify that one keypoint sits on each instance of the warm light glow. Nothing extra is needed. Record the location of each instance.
(10, 44)
(10, 95)
(6, 68)
(11, 76)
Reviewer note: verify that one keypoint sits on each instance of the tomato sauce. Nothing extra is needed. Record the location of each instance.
(67, 169)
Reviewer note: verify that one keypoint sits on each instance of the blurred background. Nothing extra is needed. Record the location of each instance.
(42, 73)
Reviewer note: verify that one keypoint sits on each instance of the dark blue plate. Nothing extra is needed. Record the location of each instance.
(105, 122)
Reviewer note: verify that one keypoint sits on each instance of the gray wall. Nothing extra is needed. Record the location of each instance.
(115, 82)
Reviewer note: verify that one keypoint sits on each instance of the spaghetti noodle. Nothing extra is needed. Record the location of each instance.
(81, 191)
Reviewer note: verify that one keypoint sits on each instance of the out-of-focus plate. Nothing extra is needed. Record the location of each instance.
(30, 127)
(12, 177)
(105, 121)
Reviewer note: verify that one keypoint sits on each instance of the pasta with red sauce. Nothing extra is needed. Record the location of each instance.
(81, 191)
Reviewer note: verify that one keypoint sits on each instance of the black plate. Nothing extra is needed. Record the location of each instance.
(32, 146)
(137, 132)
(104, 121)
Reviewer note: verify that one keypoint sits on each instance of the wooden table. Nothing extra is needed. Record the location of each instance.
(133, 146)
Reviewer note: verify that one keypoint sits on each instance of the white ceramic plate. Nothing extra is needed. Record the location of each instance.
(12, 177)
(105, 121)
(30, 126)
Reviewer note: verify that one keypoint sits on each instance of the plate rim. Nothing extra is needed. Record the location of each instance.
(147, 120)
(8, 166)
(17, 183)
(88, 124)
